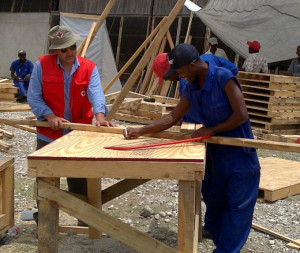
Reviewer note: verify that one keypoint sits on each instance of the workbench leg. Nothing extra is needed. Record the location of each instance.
(48, 220)
(186, 217)
(198, 221)
(94, 198)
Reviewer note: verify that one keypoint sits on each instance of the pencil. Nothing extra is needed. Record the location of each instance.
(125, 127)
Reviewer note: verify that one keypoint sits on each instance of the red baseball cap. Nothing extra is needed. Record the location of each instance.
(160, 66)
(254, 44)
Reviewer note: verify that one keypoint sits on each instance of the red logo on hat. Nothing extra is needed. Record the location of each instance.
(59, 35)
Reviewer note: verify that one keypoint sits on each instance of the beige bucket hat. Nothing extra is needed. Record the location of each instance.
(62, 37)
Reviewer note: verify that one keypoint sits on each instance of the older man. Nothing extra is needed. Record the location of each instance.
(63, 88)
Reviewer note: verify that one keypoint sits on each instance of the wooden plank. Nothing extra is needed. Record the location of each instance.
(132, 118)
(90, 146)
(76, 229)
(145, 59)
(120, 188)
(165, 100)
(8, 194)
(277, 235)
(48, 217)
(101, 221)
(100, 21)
(186, 214)
(294, 246)
(6, 162)
(88, 39)
(279, 185)
(94, 198)
(122, 169)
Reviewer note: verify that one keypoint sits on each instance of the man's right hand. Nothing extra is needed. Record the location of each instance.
(132, 133)
(55, 122)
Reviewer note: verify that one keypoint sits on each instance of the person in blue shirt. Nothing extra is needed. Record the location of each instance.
(21, 70)
(232, 174)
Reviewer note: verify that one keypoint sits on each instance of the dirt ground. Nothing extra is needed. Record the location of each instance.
(282, 216)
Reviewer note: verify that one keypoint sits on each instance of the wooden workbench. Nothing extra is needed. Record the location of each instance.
(82, 154)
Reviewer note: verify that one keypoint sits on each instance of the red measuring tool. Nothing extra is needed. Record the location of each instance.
(159, 144)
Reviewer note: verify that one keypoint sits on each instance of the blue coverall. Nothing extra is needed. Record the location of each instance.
(232, 174)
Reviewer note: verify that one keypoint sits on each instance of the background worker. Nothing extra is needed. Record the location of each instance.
(214, 49)
(232, 174)
(63, 88)
(255, 62)
(294, 68)
(21, 70)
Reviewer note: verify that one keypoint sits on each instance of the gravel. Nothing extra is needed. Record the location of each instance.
(160, 196)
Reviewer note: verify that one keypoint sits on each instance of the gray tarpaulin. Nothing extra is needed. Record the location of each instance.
(99, 51)
(274, 23)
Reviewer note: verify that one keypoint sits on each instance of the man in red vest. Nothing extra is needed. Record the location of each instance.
(64, 88)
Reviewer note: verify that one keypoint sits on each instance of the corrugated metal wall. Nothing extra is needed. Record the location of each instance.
(124, 7)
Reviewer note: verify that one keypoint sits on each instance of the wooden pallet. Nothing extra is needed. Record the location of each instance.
(7, 194)
(280, 178)
(273, 101)
(8, 92)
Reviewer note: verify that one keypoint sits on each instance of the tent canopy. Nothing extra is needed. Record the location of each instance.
(274, 23)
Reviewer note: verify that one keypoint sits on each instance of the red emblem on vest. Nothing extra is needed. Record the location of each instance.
(83, 94)
(59, 35)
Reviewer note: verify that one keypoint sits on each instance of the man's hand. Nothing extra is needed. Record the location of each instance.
(100, 121)
(27, 78)
(105, 123)
(55, 122)
(132, 133)
(203, 131)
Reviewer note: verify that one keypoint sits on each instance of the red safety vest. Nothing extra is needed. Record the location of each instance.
(54, 92)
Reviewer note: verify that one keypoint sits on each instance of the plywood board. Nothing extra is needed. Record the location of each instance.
(280, 178)
(90, 146)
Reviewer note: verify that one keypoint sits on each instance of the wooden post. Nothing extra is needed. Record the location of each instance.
(178, 30)
(99, 22)
(206, 43)
(88, 39)
(94, 198)
(48, 220)
(144, 60)
(189, 27)
(186, 214)
(119, 40)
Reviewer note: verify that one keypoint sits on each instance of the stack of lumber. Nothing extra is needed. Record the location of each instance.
(8, 92)
(273, 102)
(142, 109)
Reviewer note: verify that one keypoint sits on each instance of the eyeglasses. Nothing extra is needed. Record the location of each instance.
(72, 48)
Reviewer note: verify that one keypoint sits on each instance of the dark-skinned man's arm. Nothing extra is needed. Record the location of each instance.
(238, 117)
(162, 124)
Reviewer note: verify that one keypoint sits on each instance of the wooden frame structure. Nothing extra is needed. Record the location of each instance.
(82, 154)
(7, 194)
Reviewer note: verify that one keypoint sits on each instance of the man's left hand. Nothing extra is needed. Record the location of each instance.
(104, 123)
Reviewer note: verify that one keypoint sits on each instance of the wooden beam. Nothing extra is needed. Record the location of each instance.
(132, 58)
(145, 59)
(120, 188)
(101, 221)
(48, 217)
(240, 142)
(270, 232)
(88, 39)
